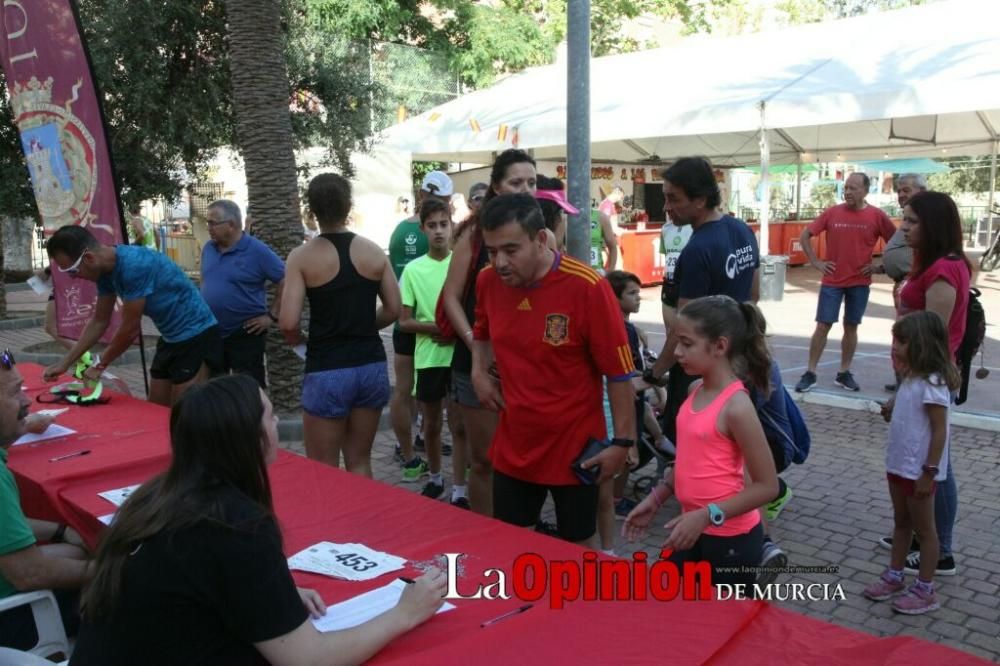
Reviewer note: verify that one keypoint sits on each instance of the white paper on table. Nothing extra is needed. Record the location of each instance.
(107, 518)
(300, 351)
(52, 432)
(350, 561)
(52, 412)
(364, 607)
(40, 287)
(118, 495)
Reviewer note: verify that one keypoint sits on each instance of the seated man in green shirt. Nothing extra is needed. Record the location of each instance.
(25, 566)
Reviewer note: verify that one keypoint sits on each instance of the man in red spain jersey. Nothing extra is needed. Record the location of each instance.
(553, 328)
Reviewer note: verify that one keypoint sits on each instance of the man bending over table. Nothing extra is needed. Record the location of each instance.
(190, 347)
(23, 565)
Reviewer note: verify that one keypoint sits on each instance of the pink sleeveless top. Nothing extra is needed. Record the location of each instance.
(709, 466)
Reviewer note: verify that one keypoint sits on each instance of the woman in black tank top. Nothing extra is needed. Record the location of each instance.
(513, 171)
(346, 381)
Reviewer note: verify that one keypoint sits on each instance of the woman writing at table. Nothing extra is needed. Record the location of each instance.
(192, 570)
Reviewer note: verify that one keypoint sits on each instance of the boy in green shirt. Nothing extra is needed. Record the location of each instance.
(421, 286)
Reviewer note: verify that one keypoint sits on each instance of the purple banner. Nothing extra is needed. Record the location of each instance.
(62, 133)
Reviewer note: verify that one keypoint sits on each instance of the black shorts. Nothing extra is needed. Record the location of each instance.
(244, 355)
(678, 383)
(432, 384)
(180, 361)
(403, 344)
(669, 294)
(520, 503)
(729, 552)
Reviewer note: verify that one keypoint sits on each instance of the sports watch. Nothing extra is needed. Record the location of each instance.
(716, 515)
(622, 442)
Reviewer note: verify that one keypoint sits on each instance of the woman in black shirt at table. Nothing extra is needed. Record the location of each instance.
(192, 570)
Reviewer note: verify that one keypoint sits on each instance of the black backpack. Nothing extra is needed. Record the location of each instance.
(972, 341)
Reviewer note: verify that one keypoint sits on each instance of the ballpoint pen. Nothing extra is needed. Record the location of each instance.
(506, 615)
(70, 455)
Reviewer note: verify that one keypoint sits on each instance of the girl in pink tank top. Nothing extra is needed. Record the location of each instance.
(724, 471)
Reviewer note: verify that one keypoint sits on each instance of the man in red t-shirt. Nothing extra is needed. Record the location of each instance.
(852, 229)
(554, 328)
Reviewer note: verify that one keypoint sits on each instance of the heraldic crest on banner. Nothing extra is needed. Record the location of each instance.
(60, 153)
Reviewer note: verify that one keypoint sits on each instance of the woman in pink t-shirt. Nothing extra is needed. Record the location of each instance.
(724, 471)
(939, 283)
(939, 280)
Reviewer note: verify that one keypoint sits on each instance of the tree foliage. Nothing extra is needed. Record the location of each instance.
(968, 175)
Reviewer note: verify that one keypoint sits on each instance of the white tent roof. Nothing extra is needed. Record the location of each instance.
(833, 91)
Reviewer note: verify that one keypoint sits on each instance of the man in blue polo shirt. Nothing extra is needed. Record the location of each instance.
(235, 267)
(148, 283)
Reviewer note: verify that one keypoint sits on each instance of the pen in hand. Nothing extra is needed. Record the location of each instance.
(70, 455)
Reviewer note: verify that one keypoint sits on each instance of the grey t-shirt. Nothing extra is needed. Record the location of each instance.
(897, 257)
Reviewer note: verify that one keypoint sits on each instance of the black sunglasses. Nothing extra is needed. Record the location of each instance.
(7, 360)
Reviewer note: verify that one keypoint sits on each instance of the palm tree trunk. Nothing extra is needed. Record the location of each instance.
(264, 135)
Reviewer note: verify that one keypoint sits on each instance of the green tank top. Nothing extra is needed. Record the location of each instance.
(596, 239)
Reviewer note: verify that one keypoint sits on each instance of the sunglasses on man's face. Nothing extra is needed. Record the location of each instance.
(75, 268)
(7, 360)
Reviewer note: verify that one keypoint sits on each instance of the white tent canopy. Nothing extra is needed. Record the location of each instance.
(841, 91)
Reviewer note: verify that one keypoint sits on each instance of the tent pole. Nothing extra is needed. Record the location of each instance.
(989, 202)
(578, 126)
(798, 188)
(765, 181)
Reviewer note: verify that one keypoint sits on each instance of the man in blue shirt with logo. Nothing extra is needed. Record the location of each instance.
(234, 269)
(148, 283)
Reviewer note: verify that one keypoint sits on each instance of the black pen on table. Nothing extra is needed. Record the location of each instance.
(506, 615)
(70, 455)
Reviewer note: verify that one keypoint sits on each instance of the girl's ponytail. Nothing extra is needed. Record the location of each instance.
(755, 351)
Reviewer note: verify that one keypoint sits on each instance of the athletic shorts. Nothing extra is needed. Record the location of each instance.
(432, 384)
(332, 394)
(855, 301)
(520, 503)
(180, 361)
(462, 391)
(906, 484)
(403, 344)
(728, 552)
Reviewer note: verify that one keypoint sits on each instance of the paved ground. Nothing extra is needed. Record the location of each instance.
(841, 505)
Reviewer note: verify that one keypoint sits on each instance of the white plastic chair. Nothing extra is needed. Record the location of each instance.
(11, 657)
(51, 633)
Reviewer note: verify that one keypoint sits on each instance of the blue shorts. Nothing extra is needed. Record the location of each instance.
(855, 301)
(332, 394)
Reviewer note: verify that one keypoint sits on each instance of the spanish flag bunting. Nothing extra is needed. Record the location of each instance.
(434, 116)
(502, 133)
(516, 138)
(474, 124)
(400, 113)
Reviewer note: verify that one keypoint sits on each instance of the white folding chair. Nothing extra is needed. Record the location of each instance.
(51, 633)
(11, 657)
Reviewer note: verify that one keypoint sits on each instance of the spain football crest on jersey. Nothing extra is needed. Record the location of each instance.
(556, 329)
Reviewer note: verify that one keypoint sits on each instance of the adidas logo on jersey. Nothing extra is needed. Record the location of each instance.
(524, 305)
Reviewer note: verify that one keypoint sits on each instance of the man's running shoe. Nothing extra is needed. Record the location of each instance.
(462, 503)
(414, 470)
(806, 383)
(945, 565)
(845, 380)
(432, 490)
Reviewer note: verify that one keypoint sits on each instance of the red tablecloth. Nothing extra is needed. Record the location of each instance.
(314, 502)
(128, 442)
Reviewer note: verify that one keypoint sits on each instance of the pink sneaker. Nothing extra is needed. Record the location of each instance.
(884, 588)
(916, 601)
